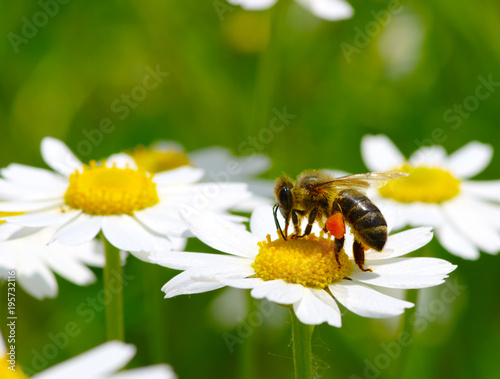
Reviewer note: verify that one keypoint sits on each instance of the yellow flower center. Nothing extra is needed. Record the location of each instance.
(159, 160)
(423, 184)
(309, 261)
(101, 190)
(10, 371)
(8, 214)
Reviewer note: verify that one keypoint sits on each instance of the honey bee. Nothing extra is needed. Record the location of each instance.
(328, 200)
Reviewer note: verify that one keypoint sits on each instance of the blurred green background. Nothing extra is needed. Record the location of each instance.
(404, 75)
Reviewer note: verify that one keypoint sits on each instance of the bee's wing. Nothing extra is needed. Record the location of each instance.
(362, 182)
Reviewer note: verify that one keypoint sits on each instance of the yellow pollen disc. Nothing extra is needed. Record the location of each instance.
(423, 184)
(309, 261)
(155, 161)
(101, 190)
(8, 371)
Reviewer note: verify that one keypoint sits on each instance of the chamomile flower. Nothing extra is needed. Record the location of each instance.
(331, 10)
(27, 258)
(303, 273)
(219, 166)
(101, 362)
(135, 210)
(465, 214)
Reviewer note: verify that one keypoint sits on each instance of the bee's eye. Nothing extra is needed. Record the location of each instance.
(285, 200)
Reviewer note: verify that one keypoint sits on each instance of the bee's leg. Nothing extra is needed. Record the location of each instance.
(339, 245)
(310, 221)
(359, 256)
(296, 224)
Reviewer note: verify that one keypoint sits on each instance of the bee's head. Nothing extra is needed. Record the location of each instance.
(284, 197)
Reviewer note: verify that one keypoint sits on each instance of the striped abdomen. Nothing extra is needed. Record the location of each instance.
(364, 218)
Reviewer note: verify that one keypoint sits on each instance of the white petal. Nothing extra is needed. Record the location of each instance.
(34, 176)
(214, 158)
(222, 235)
(261, 187)
(27, 206)
(218, 196)
(403, 243)
(429, 156)
(488, 210)
(69, 268)
(168, 146)
(405, 272)
(182, 284)
(7, 230)
(240, 268)
(160, 371)
(14, 191)
(37, 279)
(59, 157)
(253, 5)
(488, 190)
(245, 283)
(44, 218)
(178, 244)
(380, 154)
(218, 161)
(121, 160)
(162, 221)
(183, 260)
(177, 176)
(455, 242)
(126, 233)
(331, 10)
(262, 223)
(79, 230)
(248, 205)
(316, 307)
(470, 160)
(254, 164)
(278, 291)
(99, 362)
(462, 212)
(367, 302)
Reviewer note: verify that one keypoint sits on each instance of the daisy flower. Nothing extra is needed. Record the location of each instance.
(331, 10)
(34, 262)
(219, 166)
(465, 214)
(135, 210)
(101, 362)
(302, 273)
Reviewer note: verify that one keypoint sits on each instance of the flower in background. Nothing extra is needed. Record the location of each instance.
(331, 10)
(101, 362)
(219, 165)
(465, 214)
(135, 210)
(34, 261)
(301, 272)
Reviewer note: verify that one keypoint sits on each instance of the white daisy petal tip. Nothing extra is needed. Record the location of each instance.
(470, 160)
(379, 153)
(330, 10)
(59, 157)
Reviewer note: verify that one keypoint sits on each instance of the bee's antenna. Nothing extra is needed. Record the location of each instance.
(278, 226)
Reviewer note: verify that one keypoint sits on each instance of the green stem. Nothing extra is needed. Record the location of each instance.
(154, 307)
(113, 286)
(246, 354)
(407, 333)
(301, 338)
